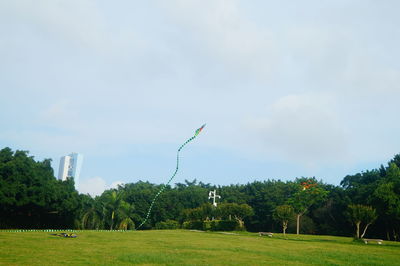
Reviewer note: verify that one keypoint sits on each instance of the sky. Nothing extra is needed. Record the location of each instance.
(287, 88)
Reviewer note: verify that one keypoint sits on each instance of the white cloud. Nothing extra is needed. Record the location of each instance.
(303, 129)
(222, 33)
(92, 186)
(96, 186)
(76, 22)
(115, 184)
(308, 83)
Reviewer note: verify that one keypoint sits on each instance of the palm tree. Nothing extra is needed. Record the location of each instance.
(118, 211)
(93, 217)
(114, 201)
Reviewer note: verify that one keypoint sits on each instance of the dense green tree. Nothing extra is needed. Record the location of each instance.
(117, 210)
(170, 203)
(361, 185)
(205, 212)
(380, 189)
(360, 214)
(263, 197)
(329, 215)
(283, 214)
(308, 192)
(386, 198)
(31, 197)
(92, 214)
(237, 211)
(233, 194)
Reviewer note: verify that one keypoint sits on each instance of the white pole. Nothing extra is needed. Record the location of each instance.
(213, 195)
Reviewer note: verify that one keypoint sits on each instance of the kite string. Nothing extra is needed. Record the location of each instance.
(164, 186)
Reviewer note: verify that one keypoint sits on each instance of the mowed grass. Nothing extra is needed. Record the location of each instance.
(181, 247)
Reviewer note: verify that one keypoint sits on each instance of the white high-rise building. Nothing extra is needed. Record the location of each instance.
(63, 170)
(70, 166)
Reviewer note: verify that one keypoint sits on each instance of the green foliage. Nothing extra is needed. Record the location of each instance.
(222, 225)
(283, 213)
(204, 212)
(186, 225)
(213, 225)
(308, 226)
(92, 214)
(387, 193)
(110, 211)
(329, 215)
(31, 197)
(308, 191)
(303, 198)
(263, 197)
(381, 190)
(239, 212)
(360, 214)
(168, 224)
(126, 224)
(231, 212)
(196, 225)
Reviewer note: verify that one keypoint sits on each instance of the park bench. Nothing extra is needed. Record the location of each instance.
(266, 234)
(366, 240)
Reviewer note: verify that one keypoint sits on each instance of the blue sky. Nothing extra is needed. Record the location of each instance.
(287, 88)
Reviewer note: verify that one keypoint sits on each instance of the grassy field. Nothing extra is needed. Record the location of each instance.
(180, 247)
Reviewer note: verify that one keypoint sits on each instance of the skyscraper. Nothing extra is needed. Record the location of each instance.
(63, 170)
(70, 166)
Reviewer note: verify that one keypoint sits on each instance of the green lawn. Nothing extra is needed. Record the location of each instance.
(181, 247)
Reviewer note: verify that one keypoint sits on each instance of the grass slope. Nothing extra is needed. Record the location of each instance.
(180, 247)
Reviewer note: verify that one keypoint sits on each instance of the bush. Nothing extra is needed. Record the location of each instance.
(186, 225)
(168, 224)
(214, 225)
(221, 225)
(207, 225)
(228, 225)
(197, 225)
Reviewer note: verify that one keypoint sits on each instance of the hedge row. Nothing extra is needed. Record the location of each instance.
(214, 225)
(168, 224)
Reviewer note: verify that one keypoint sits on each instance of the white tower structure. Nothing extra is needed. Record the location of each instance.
(213, 195)
(63, 169)
(70, 166)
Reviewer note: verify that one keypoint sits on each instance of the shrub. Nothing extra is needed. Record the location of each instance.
(221, 225)
(207, 225)
(186, 225)
(228, 225)
(214, 225)
(168, 224)
(198, 225)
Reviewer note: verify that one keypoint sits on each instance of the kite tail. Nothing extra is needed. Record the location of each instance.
(172, 177)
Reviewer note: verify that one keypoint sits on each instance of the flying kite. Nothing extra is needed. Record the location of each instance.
(308, 184)
(197, 132)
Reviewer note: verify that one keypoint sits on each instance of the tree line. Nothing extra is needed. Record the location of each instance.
(31, 197)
